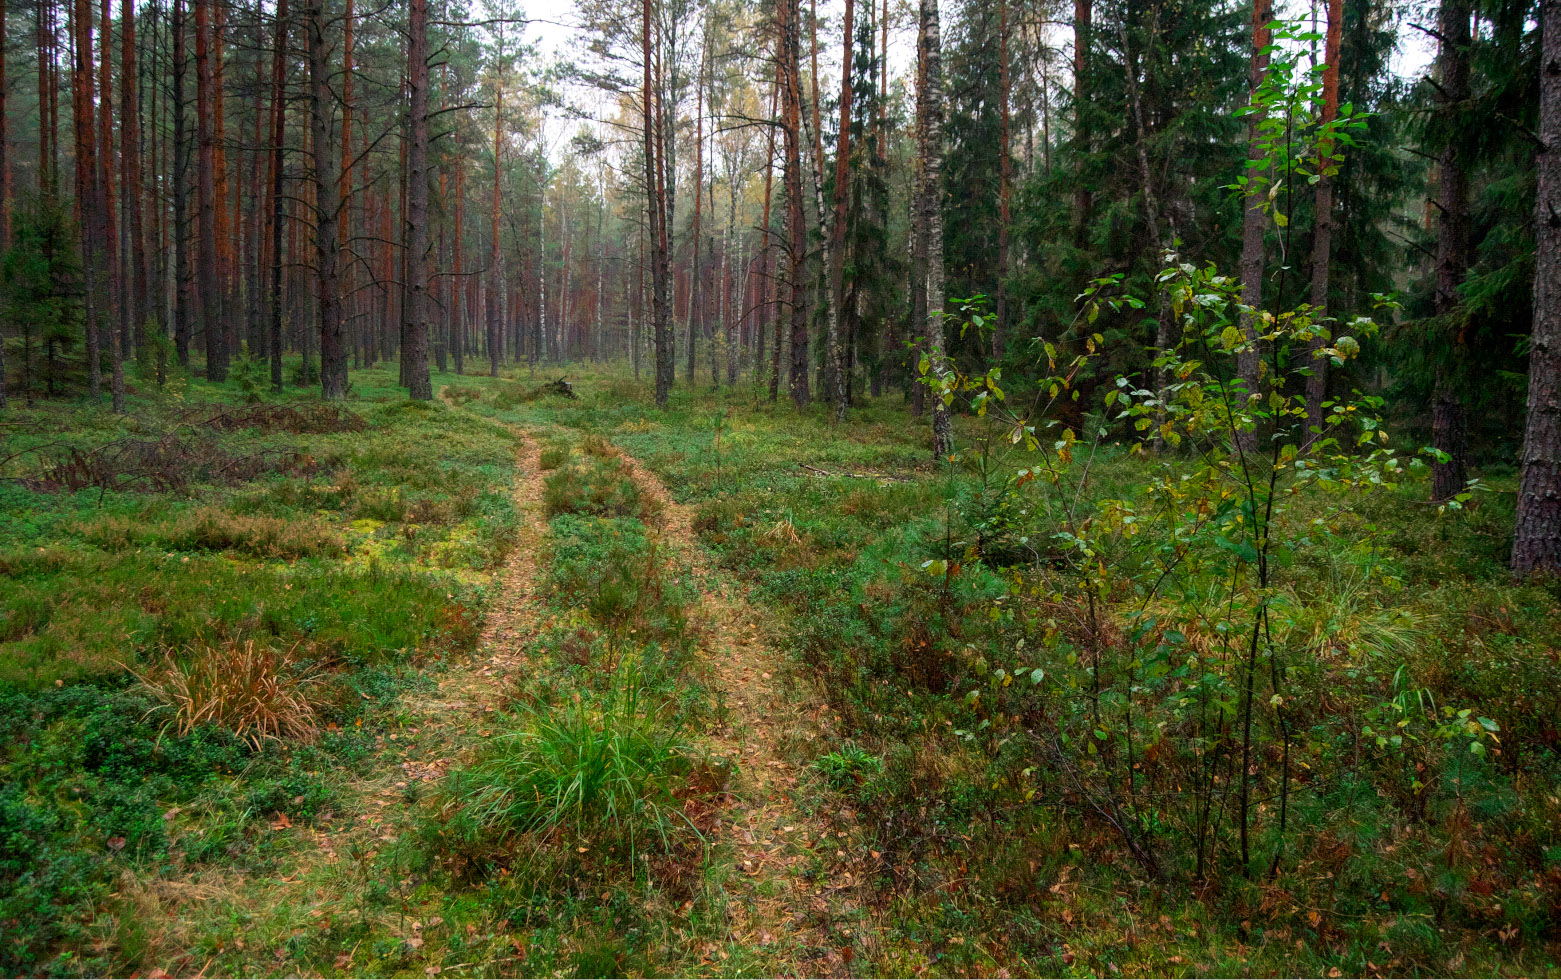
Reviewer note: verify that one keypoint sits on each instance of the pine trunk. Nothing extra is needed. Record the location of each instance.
(930, 150)
(839, 387)
(209, 273)
(1537, 541)
(419, 386)
(1449, 475)
(1322, 235)
(1253, 219)
(327, 209)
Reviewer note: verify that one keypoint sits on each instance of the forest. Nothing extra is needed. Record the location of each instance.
(714, 488)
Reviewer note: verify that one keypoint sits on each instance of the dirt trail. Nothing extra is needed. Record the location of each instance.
(802, 877)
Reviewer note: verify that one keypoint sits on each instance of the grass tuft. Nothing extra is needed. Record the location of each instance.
(253, 690)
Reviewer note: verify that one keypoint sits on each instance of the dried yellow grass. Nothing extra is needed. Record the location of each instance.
(252, 689)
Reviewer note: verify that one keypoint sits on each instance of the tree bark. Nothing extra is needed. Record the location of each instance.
(1536, 543)
(1322, 235)
(656, 204)
(278, 118)
(1004, 185)
(134, 251)
(209, 274)
(840, 392)
(495, 282)
(327, 209)
(1249, 360)
(797, 243)
(457, 314)
(419, 386)
(87, 187)
(181, 203)
(1448, 414)
(930, 150)
(1082, 15)
(696, 278)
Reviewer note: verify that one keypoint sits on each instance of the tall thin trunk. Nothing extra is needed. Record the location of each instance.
(930, 149)
(1252, 217)
(1537, 540)
(1004, 184)
(181, 204)
(209, 276)
(5, 168)
(87, 187)
(495, 282)
(344, 228)
(797, 242)
(45, 53)
(134, 250)
(1322, 234)
(767, 258)
(656, 203)
(457, 313)
(1082, 16)
(107, 172)
(1448, 413)
(419, 386)
(696, 279)
(840, 388)
(327, 208)
(278, 118)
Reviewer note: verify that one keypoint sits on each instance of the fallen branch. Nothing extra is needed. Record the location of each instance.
(856, 476)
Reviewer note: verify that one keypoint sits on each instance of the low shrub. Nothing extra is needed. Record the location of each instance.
(604, 488)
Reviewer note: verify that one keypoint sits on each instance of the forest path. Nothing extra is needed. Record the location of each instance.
(802, 876)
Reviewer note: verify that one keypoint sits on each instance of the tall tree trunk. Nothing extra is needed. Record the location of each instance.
(46, 185)
(87, 187)
(797, 241)
(209, 275)
(840, 390)
(109, 268)
(1322, 234)
(696, 278)
(344, 227)
(1537, 540)
(930, 150)
(1253, 219)
(457, 313)
(419, 386)
(495, 281)
(1082, 16)
(767, 258)
(1004, 184)
(656, 203)
(133, 249)
(5, 170)
(1448, 414)
(327, 208)
(278, 130)
(181, 204)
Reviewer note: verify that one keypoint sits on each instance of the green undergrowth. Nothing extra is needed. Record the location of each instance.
(915, 594)
(212, 610)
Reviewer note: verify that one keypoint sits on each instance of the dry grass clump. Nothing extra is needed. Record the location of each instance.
(254, 690)
(215, 529)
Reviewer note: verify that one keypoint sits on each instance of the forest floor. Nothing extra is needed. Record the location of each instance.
(575, 687)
